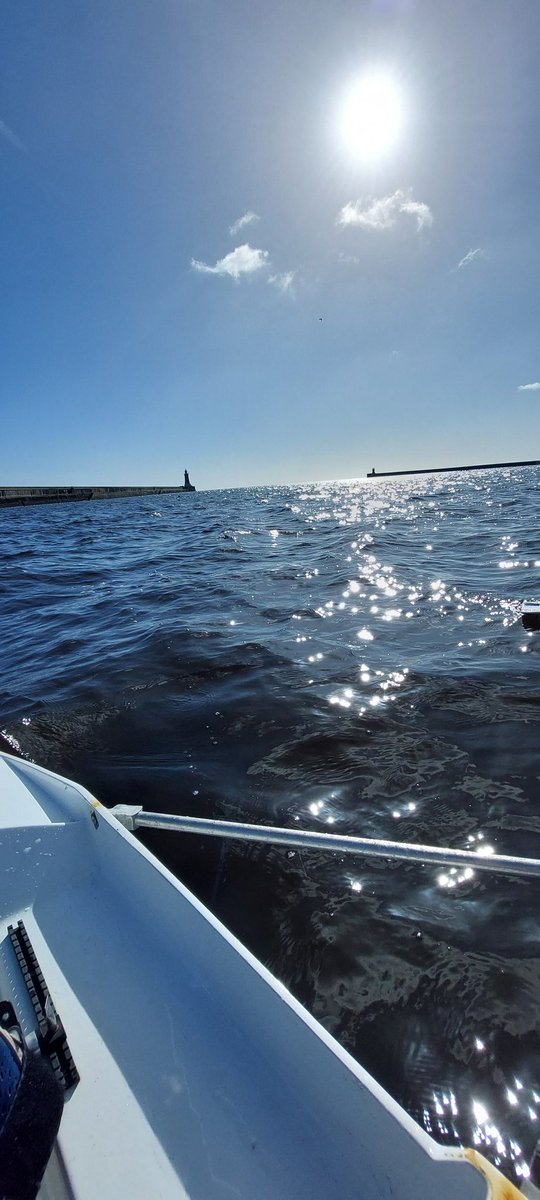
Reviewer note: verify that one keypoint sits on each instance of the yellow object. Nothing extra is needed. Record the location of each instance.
(499, 1187)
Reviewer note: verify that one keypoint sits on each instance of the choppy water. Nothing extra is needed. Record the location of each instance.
(345, 656)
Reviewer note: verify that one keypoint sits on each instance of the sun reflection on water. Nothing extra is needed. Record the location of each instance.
(397, 624)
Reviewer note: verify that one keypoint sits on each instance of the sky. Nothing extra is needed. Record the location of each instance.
(269, 242)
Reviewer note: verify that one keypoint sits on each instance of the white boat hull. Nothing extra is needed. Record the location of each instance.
(200, 1075)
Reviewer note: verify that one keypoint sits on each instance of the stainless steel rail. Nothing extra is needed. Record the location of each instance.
(504, 864)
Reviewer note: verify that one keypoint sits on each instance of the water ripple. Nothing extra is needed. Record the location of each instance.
(343, 656)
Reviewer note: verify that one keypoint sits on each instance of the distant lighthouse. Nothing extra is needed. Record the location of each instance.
(188, 487)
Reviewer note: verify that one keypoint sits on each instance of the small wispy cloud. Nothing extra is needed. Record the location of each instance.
(529, 387)
(386, 212)
(283, 282)
(11, 137)
(472, 256)
(247, 219)
(242, 261)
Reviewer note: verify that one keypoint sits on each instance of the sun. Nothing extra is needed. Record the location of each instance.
(372, 116)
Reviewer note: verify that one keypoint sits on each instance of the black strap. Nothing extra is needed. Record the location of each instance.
(30, 1129)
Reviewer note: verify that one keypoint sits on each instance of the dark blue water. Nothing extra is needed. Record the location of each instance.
(341, 656)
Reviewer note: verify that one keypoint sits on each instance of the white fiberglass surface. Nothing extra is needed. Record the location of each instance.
(150, 1035)
(17, 806)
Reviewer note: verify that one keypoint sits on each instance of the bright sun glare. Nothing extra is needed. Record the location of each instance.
(372, 116)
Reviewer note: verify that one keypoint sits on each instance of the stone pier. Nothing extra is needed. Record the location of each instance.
(16, 496)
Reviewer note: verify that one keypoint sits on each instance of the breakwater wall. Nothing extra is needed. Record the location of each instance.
(529, 462)
(15, 496)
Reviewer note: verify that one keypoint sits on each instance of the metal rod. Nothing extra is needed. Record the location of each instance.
(364, 847)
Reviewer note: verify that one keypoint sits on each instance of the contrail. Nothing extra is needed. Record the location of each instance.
(8, 134)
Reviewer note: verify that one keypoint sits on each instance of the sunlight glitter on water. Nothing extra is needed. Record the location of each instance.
(249, 605)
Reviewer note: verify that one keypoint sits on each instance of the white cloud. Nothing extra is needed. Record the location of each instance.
(284, 281)
(247, 219)
(8, 134)
(242, 261)
(386, 212)
(471, 256)
(529, 387)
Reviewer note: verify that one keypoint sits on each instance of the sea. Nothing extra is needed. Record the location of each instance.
(342, 656)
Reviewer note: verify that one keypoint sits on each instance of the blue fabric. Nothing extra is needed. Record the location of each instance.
(10, 1073)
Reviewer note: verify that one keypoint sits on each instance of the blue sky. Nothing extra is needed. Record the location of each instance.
(139, 335)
